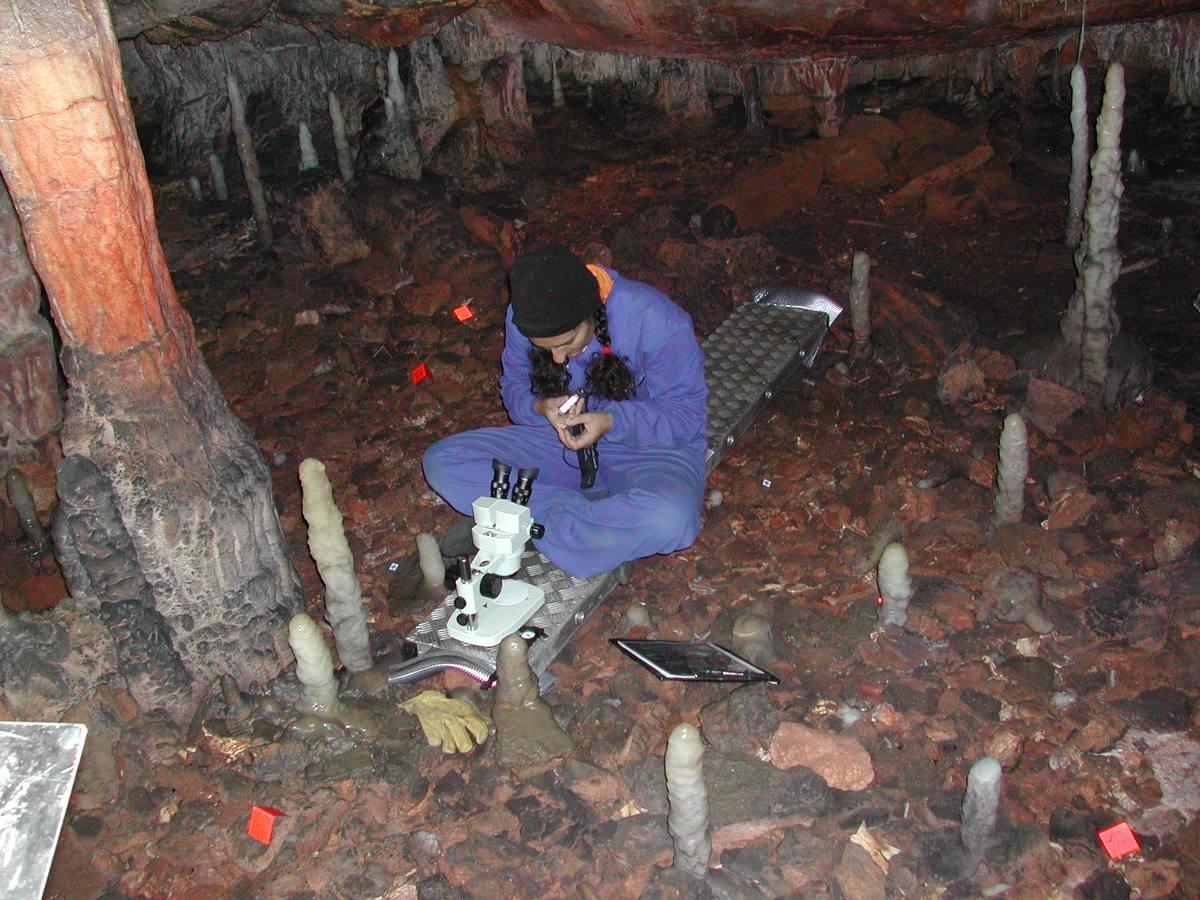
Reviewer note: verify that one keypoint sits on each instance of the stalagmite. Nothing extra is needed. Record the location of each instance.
(860, 305)
(638, 616)
(895, 587)
(1098, 260)
(308, 153)
(1079, 156)
(433, 568)
(980, 806)
(216, 174)
(197, 191)
(752, 640)
(687, 799)
(22, 502)
(327, 544)
(525, 726)
(314, 668)
(245, 148)
(341, 145)
(1013, 466)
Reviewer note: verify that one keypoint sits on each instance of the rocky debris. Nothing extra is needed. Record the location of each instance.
(839, 759)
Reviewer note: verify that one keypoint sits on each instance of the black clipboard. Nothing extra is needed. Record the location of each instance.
(692, 661)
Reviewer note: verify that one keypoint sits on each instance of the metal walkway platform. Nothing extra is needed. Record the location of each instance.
(747, 358)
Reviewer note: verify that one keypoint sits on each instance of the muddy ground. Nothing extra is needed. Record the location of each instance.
(1094, 722)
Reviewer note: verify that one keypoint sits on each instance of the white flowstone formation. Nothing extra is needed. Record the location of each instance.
(860, 305)
(1079, 156)
(245, 148)
(341, 145)
(429, 557)
(308, 153)
(314, 668)
(216, 173)
(895, 587)
(687, 819)
(1013, 466)
(980, 805)
(335, 563)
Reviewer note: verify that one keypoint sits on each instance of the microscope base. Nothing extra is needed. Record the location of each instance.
(499, 617)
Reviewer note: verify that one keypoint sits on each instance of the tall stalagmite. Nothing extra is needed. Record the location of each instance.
(191, 493)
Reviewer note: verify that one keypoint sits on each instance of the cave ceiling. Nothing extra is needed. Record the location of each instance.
(729, 31)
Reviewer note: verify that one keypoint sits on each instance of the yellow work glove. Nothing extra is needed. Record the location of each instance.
(448, 722)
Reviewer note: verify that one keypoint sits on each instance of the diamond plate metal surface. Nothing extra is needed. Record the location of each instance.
(747, 358)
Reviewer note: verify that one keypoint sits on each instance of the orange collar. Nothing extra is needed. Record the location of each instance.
(603, 279)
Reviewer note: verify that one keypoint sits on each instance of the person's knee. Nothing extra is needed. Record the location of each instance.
(676, 519)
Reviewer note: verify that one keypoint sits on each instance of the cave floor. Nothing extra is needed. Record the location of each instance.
(1095, 722)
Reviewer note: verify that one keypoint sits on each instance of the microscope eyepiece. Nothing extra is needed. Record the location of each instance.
(500, 473)
(524, 488)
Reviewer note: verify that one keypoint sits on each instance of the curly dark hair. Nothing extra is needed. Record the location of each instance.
(608, 374)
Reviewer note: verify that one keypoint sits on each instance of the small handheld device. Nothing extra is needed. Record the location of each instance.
(570, 402)
(589, 457)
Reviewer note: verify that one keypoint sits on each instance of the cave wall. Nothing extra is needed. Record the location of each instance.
(286, 72)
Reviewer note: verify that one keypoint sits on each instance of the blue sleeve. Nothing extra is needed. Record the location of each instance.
(670, 408)
(514, 376)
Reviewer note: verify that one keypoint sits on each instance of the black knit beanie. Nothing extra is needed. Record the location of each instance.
(551, 291)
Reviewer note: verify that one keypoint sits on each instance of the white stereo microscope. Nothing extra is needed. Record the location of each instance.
(490, 605)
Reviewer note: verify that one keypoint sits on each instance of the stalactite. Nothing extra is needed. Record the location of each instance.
(437, 105)
(1098, 259)
(341, 145)
(1079, 156)
(827, 80)
(556, 89)
(751, 98)
(308, 153)
(216, 174)
(245, 148)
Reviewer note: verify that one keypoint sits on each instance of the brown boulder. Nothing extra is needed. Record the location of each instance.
(854, 163)
(763, 193)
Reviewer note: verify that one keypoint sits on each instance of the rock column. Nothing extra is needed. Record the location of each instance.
(191, 493)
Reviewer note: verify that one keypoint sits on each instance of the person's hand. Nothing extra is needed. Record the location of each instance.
(448, 721)
(595, 425)
(548, 407)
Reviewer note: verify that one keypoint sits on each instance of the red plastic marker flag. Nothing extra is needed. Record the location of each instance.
(463, 313)
(1119, 840)
(419, 374)
(262, 823)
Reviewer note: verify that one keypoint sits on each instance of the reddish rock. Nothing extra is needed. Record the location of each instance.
(1049, 405)
(325, 227)
(840, 760)
(429, 298)
(1005, 747)
(1176, 541)
(881, 131)
(42, 592)
(853, 163)
(30, 408)
(1071, 510)
(961, 381)
(922, 127)
(763, 193)
(1102, 730)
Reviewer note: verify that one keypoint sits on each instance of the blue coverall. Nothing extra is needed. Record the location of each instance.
(650, 484)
